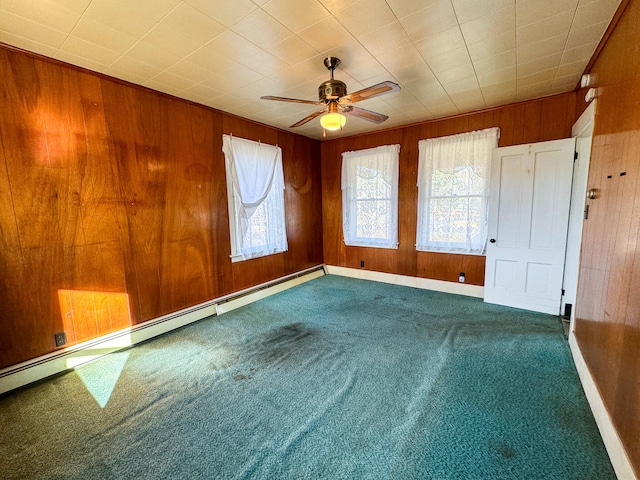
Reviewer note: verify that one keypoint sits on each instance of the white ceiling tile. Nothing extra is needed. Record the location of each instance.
(467, 85)
(594, 12)
(538, 77)
(336, 5)
(210, 59)
(366, 69)
(460, 72)
(574, 68)
(30, 30)
(445, 41)
(144, 52)
(488, 25)
(132, 70)
(98, 54)
(233, 78)
(532, 11)
(226, 12)
(549, 46)
(61, 16)
(579, 53)
(499, 87)
(101, 34)
(262, 29)
(365, 16)
(587, 35)
(133, 18)
(326, 34)
(403, 8)
(293, 50)
(296, 15)
(540, 64)
(231, 44)
(496, 77)
(549, 27)
(264, 63)
(449, 60)
(500, 98)
(79, 61)
(162, 87)
(467, 10)
(491, 46)
(203, 91)
(26, 44)
(435, 18)
(495, 62)
(190, 70)
(168, 79)
(187, 28)
(388, 37)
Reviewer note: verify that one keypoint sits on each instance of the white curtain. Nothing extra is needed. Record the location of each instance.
(453, 190)
(370, 197)
(256, 174)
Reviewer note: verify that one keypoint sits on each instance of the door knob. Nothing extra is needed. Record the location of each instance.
(493, 240)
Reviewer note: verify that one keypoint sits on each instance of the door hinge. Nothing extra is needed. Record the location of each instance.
(563, 292)
(575, 156)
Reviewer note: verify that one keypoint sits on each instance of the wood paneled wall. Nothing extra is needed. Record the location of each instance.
(107, 188)
(607, 323)
(533, 121)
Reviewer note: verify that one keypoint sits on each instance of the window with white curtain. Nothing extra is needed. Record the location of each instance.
(255, 187)
(453, 190)
(370, 197)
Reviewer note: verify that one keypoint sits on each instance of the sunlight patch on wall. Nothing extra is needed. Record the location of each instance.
(88, 314)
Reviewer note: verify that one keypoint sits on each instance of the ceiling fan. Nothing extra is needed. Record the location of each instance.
(333, 96)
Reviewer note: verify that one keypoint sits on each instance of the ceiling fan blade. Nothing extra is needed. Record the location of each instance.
(364, 114)
(370, 92)
(308, 118)
(294, 100)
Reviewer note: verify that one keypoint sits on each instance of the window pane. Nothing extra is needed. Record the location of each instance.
(373, 218)
(453, 220)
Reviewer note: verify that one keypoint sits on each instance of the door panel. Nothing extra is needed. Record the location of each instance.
(528, 219)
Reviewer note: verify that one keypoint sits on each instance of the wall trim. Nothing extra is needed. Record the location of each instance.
(408, 281)
(608, 432)
(39, 368)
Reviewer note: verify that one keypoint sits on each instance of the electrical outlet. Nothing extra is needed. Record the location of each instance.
(461, 277)
(61, 338)
(361, 263)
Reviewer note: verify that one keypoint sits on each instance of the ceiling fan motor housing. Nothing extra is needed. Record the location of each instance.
(331, 90)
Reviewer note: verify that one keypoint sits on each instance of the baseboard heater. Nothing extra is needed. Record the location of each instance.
(57, 362)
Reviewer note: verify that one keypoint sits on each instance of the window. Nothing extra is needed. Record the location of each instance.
(370, 197)
(255, 186)
(453, 189)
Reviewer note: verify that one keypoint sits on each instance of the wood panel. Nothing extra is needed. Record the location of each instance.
(113, 205)
(608, 304)
(545, 119)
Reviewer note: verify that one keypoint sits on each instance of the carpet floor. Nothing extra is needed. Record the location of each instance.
(333, 379)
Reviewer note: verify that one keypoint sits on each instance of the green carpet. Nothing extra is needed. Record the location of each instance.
(334, 379)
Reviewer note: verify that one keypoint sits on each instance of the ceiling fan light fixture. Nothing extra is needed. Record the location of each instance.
(333, 121)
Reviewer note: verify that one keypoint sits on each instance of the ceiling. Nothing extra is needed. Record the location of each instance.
(449, 56)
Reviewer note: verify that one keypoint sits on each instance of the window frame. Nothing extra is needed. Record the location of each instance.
(487, 141)
(233, 205)
(350, 198)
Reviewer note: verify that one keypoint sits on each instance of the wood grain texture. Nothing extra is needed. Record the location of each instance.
(113, 205)
(533, 121)
(607, 325)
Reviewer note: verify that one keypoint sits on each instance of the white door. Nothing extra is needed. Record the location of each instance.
(528, 220)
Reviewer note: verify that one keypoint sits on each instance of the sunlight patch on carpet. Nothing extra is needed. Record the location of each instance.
(100, 376)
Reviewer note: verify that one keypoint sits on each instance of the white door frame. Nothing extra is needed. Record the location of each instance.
(582, 130)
